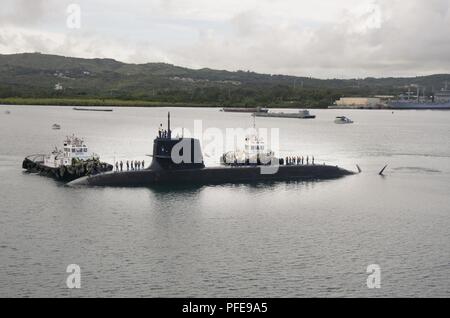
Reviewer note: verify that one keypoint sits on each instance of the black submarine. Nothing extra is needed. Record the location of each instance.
(167, 169)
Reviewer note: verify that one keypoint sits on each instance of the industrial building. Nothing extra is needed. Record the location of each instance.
(359, 102)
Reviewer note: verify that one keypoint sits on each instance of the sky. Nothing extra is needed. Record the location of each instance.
(317, 38)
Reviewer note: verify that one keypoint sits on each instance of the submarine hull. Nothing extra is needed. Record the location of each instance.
(216, 175)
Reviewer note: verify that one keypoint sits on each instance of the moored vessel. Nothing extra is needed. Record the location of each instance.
(93, 109)
(244, 110)
(301, 114)
(418, 105)
(440, 100)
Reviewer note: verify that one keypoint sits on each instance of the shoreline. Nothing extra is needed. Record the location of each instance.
(99, 102)
(93, 102)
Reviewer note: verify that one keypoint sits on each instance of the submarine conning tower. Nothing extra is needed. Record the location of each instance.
(175, 153)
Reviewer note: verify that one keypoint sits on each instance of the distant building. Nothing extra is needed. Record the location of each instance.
(58, 87)
(359, 102)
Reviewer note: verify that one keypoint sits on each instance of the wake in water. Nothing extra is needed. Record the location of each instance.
(417, 169)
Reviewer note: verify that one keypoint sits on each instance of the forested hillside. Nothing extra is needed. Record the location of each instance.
(34, 75)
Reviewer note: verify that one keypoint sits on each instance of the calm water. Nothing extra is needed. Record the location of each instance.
(269, 240)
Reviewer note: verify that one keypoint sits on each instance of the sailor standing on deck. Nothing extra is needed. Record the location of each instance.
(121, 165)
(117, 166)
(143, 164)
(160, 131)
(128, 165)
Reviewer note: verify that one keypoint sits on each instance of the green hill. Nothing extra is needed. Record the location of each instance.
(34, 75)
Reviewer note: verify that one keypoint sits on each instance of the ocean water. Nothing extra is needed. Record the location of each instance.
(284, 239)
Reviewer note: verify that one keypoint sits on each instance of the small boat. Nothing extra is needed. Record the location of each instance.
(343, 120)
(302, 114)
(56, 127)
(93, 109)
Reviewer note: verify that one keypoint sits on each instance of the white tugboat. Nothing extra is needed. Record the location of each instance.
(69, 163)
(254, 153)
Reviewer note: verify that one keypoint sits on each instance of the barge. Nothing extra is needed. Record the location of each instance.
(301, 114)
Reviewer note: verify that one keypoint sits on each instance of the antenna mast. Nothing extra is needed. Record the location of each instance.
(169, 133)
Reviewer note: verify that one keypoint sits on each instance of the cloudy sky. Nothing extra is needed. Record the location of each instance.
(319, 38)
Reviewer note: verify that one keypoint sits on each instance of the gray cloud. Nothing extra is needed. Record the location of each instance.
(23, 12)
(377, 38)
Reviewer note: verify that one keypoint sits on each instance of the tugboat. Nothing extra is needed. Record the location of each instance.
(67, 164)
(56, 127)
(254, 153)
(180, 161)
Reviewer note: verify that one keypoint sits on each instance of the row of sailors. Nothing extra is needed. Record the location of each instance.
(288, 161)
(133, 165)
(298, 160)
(163, 133)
